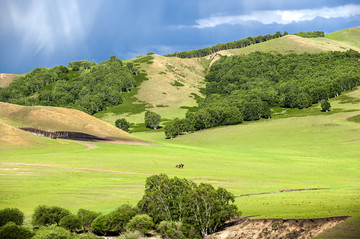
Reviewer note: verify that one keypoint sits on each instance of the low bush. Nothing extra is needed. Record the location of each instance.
(13, 231)
(11, 215)
(114, 222)
(170, 230)
(53, 232)
(70, 222)
(142, 223)
(131, 235)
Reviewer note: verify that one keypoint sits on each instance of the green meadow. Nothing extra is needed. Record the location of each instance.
(310, 149)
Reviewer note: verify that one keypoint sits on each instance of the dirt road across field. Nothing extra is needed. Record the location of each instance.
(72, 168)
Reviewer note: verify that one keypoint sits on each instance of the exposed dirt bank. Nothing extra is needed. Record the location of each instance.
(80, 136)
(274, 228)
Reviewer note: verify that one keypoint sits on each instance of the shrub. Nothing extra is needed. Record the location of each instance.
(86, 217)
(52, 232)
(169, 230)
(113, 222)
(325, 106)
(131, 235)
(45, 215)
(88, 235)
(11, 215)
(13, 231)
(122, 124)
(142, 223)
(152, 120)
(100, 225)
(70, 222)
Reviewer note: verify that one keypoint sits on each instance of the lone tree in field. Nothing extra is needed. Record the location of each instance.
(122, 124)
(325, 106)
(152, 120)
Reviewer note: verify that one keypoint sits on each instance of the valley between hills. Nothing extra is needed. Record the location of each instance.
(294, 174)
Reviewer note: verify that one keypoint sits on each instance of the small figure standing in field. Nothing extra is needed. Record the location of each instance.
(180, 165)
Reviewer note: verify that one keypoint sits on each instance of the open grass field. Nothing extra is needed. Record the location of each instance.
(320, 151)
(295, 44)
(350, 36)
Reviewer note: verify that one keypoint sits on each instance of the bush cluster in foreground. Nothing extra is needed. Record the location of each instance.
(171, 207)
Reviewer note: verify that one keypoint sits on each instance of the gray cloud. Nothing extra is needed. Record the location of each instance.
(280, 16)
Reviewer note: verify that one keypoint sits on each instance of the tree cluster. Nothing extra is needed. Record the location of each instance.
(313, 34)
(83, 85)
(11, 220)
(175, 208)
(225, 46)
(180, 200)
(292, 81)
(243, 88)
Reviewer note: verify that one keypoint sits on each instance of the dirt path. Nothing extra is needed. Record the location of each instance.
(282, 191)
(88, 145)
(73, 168)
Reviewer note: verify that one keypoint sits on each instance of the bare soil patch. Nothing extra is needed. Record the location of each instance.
(274, 228)
(79, 137)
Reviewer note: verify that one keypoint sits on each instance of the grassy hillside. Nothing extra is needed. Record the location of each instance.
(12, 137)
(318, 151)
(349, 36)
(57, 119)
(6, 79)
(171, 87)
(296, 44)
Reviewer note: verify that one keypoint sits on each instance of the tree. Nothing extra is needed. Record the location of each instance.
(11, 215)
(164, 197)
(122, 124)
(70, 222)
(45, 215)
(152, 120)
(325, 105)
(86, 217)
(208, 208)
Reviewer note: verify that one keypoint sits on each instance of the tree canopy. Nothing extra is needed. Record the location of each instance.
(175, 199)
(225, 46)
(83, 85)
(243, 88)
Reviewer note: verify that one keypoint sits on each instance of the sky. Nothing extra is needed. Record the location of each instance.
(37, 33)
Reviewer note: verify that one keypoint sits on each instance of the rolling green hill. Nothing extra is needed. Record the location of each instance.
(49, 118)
(298, 164)
(349, 36)
(296, 44)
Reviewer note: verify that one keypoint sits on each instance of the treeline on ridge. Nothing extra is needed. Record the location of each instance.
(225, 46)
(240, 44)
(171, 207)
(83, 85)
(313, 34)
(245, 87)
